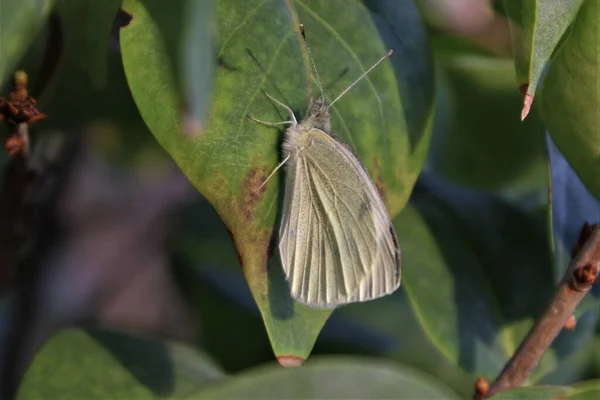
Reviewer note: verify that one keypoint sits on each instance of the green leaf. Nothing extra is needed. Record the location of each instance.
(75, 98)
(19, 23)
(79, 89)
(85, 28)
(76, 364)
(533, 392)
(570, 104)
(585, 390)
(385, 118)
(579, 391)
(478, 140)
(390, 327)
(331, 378)
(481, 252)
(536, 29)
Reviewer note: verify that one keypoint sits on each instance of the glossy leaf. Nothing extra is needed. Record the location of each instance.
(76, 364)
(570, 105)
(331, 378)
(259, 48)
(536, 29)
(19, 24)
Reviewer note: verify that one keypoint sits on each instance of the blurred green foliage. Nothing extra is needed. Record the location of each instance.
(483, 231)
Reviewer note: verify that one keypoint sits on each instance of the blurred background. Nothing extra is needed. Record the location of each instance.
(107, 232)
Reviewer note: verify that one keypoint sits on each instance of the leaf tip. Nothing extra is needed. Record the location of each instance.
(527, 100)
(290, 361)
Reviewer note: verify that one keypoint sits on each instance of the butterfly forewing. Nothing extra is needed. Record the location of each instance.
(337, 243)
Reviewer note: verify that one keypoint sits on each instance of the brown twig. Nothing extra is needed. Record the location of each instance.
(577, 281)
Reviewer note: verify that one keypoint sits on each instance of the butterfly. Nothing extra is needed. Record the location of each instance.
(336, 241)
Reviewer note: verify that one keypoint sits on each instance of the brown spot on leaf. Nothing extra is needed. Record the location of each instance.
(290, 361)
(378, 180)
(237, 250)
(252, 192)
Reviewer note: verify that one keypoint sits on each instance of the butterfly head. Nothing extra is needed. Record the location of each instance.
(318, 115)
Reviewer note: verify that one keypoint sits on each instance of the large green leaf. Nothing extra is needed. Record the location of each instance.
(478, 139)
(75, 364)
(536, 29)
(331, 378)
(484, 254)
(19, 23)
(570, 101)
(259, 48)
(480, 251)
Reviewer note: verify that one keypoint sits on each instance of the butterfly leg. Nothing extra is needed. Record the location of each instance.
(269, 123)
(275, 170)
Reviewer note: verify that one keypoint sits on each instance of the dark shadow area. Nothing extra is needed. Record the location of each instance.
(230, 325)
(39, 223)
(148, 361)
(281, 303)
(517, 280)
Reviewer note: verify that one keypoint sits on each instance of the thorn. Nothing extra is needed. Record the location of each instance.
(290, 361)
(482, 387)
(526, 106)
(584, 235)
(570, 323)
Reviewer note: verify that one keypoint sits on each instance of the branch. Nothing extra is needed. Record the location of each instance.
(580, 276)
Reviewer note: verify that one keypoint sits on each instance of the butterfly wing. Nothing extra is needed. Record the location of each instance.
(337, 243)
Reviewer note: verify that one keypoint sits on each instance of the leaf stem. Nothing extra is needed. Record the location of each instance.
(578, 279)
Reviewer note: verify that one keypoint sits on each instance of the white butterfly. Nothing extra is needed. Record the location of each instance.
(337, 242)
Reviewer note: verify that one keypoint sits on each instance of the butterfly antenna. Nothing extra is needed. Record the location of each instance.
(389, 53)
(312, 60)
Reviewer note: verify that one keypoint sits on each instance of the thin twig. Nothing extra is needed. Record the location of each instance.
(577, 281)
